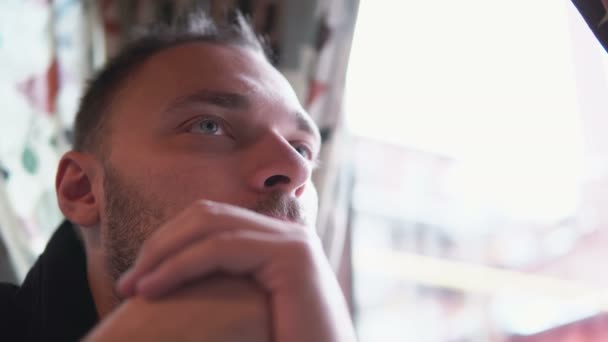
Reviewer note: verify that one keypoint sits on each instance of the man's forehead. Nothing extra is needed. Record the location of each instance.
(231, 77)
(191, 66)
(210, 57)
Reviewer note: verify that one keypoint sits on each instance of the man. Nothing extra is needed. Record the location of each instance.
(192, 207)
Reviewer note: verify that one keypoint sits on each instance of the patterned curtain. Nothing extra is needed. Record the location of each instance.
(50, 48)
(47, 50)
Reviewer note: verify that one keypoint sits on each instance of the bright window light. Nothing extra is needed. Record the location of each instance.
(491, 84)
(513, 95)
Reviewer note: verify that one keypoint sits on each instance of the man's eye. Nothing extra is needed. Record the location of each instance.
(304, 151)
(208, 126)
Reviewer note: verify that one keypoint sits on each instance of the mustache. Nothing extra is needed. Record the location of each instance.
(282, 207)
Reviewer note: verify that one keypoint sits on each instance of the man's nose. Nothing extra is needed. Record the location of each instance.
(279, 167)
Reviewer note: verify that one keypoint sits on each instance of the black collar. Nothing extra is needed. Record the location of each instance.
(55, 296)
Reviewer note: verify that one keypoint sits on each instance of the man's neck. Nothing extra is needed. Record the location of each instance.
(101, 285)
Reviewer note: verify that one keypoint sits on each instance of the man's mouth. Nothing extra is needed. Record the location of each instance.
(280, 207)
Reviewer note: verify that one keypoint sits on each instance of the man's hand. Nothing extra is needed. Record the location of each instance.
(219, 309)
(286, 259)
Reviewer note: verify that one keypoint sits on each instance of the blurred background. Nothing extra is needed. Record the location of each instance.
(464, 178)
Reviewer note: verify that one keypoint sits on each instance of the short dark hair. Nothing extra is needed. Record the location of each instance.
(90, 125)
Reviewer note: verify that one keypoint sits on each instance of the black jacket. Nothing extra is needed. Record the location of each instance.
(54, 302)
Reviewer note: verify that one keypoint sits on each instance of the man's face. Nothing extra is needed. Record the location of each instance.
(203, 121)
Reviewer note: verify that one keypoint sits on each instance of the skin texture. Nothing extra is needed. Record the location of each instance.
(204, 186)
(239, 313)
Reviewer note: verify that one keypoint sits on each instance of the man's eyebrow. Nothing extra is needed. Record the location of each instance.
(224, 99)
(305, 124)
(236, 101)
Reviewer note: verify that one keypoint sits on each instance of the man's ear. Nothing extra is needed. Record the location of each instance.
(74, 184)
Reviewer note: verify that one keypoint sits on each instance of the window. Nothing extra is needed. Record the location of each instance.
(481, 167)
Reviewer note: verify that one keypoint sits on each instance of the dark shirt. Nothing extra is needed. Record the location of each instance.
(54, 302)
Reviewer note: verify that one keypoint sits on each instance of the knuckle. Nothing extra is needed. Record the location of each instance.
(206, 208)
(201, 213)
(302, 247)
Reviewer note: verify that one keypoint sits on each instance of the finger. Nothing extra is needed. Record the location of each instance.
(236, 253)
(198, 221)
(181, 229)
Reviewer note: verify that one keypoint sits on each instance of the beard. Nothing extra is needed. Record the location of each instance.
(132, 215)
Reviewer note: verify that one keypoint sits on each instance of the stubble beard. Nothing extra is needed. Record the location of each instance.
(131, 218)
(133, 215)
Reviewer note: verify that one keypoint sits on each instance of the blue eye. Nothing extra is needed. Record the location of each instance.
(304, 151)
(209, 127)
